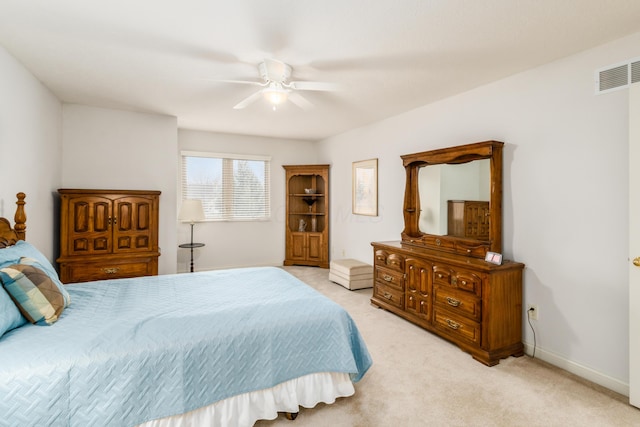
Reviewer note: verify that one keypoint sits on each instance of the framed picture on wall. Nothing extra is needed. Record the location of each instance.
(365, 187)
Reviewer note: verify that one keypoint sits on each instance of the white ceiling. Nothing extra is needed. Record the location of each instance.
(389, 56)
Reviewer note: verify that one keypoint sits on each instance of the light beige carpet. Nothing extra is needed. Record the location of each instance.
(419, 379)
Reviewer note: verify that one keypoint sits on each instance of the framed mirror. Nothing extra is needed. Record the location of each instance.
(453, 199)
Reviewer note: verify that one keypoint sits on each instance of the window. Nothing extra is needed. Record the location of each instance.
(231, 186)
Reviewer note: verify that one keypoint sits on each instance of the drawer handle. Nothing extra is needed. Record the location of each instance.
(439, 275)
(388, 296)
(453, 302)
(452, 324)
(387, 278)
(111, 270)
(464, 283)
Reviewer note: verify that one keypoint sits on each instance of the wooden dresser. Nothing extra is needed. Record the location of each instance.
(473, 303)
(107, 234)
(442, 282)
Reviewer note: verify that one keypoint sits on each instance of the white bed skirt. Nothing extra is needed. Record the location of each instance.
(246, 409)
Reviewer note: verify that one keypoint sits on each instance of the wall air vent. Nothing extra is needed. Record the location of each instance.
(618, 76)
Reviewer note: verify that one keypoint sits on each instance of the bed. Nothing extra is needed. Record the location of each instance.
(225, 347)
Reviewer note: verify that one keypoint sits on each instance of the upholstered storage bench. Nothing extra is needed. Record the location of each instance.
(351, 273)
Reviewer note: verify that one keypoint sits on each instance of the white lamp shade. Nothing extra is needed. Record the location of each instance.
(191, 211)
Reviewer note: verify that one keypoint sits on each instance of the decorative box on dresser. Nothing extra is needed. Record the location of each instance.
(442, 282)
(107, 234)
(307, 215)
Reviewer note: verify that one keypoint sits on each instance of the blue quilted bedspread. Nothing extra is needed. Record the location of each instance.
(131, 350)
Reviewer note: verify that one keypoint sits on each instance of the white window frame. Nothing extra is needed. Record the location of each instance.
(227, 159)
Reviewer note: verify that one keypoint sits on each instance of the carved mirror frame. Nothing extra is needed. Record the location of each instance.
(412, 235)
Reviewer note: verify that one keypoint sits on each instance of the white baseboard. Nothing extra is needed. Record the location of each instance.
(579, 370)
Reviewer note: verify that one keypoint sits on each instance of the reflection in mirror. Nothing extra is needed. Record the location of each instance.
(437, 184)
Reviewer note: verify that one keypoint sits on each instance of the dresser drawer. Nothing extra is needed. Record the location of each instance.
(458, 302)
(74, 272)
(390, 278)
(460, 279)
(477, 251)
(442, 274)
(439, 242)
(458, 326)
(388, 295)
(389, 260)
(467, 281)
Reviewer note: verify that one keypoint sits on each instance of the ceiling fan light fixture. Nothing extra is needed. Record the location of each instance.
(275, 94)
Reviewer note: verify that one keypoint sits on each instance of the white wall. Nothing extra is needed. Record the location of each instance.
(31, 147)
(565, 197)
(243, 243)
(122, 150)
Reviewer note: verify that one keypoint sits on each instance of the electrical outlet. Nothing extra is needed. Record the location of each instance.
(532, 311)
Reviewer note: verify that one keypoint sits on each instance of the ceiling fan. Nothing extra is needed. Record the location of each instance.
(277, 88)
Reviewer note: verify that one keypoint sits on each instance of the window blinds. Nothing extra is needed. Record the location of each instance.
(230, 186)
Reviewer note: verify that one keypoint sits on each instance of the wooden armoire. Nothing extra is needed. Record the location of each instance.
(307, 215)
(108, 234)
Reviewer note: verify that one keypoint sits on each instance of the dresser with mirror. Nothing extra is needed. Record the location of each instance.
(437, 275)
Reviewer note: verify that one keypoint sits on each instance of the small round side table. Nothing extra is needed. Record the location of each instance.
(191, 246)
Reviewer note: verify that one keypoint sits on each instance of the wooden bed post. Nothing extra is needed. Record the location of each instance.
(20, 218)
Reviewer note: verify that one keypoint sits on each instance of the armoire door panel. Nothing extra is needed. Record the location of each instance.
(101, 216)
(100, 244)
(81, 217)
(124, 216)
(142, 242)
(143, 215)
(124, 242)
(80, 245)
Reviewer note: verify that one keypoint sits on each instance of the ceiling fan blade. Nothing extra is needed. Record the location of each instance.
(249, 100)
(244, 82)
(321, 86)
(300, 101)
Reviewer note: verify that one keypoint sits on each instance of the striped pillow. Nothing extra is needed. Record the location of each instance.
(37, 296)
(53, 276)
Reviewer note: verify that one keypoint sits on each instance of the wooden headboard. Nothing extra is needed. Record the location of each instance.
(9, 236)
